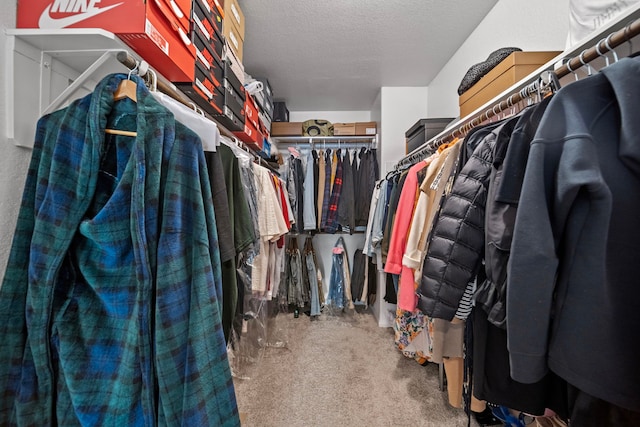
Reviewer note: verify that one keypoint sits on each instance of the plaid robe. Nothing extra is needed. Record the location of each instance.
(111, 301)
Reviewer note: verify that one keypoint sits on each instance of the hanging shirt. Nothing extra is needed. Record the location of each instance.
(327, 190)
(309, 213)
(322, 173)
(206, 129)
(404, 214)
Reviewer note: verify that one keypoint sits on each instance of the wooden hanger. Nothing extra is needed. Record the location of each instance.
(126, 89)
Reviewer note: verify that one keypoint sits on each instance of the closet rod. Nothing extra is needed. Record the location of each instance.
(601, 48)
(130, 62)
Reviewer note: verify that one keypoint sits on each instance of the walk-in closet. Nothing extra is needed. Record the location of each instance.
(301, 213)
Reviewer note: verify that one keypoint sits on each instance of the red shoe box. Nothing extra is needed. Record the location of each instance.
(156, 29)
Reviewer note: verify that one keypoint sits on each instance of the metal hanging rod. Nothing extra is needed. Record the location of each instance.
(131, 63)
(602, 48)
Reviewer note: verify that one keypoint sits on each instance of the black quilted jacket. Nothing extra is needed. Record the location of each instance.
(456, 247)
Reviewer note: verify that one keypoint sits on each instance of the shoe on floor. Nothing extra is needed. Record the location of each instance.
(486, 418)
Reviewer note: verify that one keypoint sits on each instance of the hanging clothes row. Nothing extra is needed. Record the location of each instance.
(322, 185)
(181, 227)
(529, 235)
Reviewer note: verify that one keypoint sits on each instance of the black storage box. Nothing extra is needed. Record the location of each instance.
(280, 112)
(423, 131)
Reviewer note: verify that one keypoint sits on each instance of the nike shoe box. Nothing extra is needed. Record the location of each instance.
(158, 30)
(207, 21)
(229, 120)
(202, 90)
(250, 136)
(233, 100)
(217, 5)
(251, 111)
(265, 121)
(234, 79)
(207, 57)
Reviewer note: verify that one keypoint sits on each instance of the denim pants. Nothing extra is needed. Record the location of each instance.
(313, 284)
(336, 283)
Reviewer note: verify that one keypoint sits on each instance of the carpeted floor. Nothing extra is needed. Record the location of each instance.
(341, 371)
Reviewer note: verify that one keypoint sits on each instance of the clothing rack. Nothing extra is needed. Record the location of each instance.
(547, 81)
(132, 64)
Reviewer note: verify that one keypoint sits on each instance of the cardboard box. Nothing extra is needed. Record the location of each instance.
(156, 29)
(366, 128)
(514, 68)
(234, 41)
(286, 128)
(234, 16)
(344, 129)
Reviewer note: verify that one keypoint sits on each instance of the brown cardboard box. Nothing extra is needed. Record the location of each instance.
(344, 129)
(286, 129)
(514, 68)
(366, 128)
(234, 15)
(234, 41)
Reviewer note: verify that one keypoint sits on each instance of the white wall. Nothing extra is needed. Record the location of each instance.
(14, 160)
(401, 108)
(529, 25)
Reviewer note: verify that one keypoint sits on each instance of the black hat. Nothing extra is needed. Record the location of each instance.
(477, 71)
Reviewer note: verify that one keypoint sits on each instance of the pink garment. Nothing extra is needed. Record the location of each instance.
(404, 214)
(407, 297)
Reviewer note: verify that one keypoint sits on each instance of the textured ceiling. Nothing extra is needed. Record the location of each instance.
(336, 54)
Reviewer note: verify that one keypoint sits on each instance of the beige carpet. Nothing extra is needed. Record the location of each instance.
(341, 371)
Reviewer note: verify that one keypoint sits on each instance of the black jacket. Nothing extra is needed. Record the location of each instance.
(456, 247)
(572, 288)
(505, 183)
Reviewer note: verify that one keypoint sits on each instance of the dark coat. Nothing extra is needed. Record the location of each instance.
(457, 241)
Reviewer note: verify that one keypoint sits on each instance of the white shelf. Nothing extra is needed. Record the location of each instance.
(45, 68)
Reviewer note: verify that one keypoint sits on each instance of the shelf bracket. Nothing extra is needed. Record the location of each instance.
(44, 69)
(77, 83)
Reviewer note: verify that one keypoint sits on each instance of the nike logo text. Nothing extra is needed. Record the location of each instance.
(82, 9)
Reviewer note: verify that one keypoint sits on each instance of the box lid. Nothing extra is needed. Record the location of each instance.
(516, 58)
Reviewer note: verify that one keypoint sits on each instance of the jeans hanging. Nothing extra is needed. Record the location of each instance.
(338, 281)
(309, 259)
